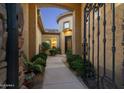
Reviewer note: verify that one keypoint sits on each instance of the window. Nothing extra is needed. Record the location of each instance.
(66, 25)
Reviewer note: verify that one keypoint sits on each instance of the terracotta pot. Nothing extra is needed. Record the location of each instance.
(38, 79)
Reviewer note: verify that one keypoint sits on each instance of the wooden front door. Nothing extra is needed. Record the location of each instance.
(68, 43)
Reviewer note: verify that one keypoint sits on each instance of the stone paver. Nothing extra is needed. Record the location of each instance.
(58, 76)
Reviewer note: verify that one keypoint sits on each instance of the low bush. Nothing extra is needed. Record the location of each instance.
(58, 50)
(41, 55)
(69, 52)
(89, 70)
(40, 61)
(33, 67)
(78, 66)
(27, 63)
(76, 63)
(45, 46)
(71, 58)
(36, 66)
(53, 51)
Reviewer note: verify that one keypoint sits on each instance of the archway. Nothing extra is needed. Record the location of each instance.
(76, 37)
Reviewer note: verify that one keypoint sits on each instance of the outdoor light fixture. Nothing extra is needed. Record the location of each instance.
(67, 31)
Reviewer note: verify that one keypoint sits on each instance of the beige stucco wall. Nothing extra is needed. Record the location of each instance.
(26, 30)
(64, 19)
(62, 35)
(46, 37)
(38, 39)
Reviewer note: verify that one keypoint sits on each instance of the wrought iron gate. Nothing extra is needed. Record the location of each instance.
(100, 80)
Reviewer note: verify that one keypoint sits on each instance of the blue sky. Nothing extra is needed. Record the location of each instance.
(49, 16)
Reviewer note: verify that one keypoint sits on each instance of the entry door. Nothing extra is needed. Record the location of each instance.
(68, 43)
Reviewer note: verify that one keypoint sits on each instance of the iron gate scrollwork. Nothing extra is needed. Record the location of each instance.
(101, 81)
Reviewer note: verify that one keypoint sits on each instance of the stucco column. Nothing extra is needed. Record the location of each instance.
(32, 30)
(26, 29)
(76, 34)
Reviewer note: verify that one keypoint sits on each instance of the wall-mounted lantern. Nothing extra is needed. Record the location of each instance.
(67, 32)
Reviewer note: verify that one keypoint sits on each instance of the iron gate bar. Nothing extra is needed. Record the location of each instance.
(89, 38)
(113, 42)
(12, 46)
(84, 45)
(104, 41)
(98, 33)
(93, 28)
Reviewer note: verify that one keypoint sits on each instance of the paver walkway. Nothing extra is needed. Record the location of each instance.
(58, 76)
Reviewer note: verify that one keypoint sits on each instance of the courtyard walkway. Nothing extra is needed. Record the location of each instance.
(58, 76)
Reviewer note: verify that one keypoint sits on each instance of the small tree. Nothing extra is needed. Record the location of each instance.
(45, 46)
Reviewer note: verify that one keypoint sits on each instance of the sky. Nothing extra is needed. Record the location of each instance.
(49, 17)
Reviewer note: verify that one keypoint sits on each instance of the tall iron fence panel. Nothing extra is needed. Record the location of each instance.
(92, 12)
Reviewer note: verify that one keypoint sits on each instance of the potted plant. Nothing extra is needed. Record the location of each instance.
(45, 46)
(28, 81)
(28, 72)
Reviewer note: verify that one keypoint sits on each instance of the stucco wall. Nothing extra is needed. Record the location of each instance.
(26, 29)
(65, 19)
(46, 37)
(38, 39)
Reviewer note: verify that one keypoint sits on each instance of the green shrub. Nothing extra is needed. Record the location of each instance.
(78, 66)
(58, 50)
(45, 46)
(71, 58)
(40, 61)
(89, 70)
(41, 55)
(27, 63)
(76, 62)
(38, 68)
(53, 51)
(69, 52)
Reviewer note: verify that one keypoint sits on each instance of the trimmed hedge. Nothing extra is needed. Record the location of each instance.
(76, 63)
(41, 55)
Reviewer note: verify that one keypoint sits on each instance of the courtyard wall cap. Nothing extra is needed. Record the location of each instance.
(51, 30)
(63, 15)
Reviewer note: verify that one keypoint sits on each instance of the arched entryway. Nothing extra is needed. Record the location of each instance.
(76, 36)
